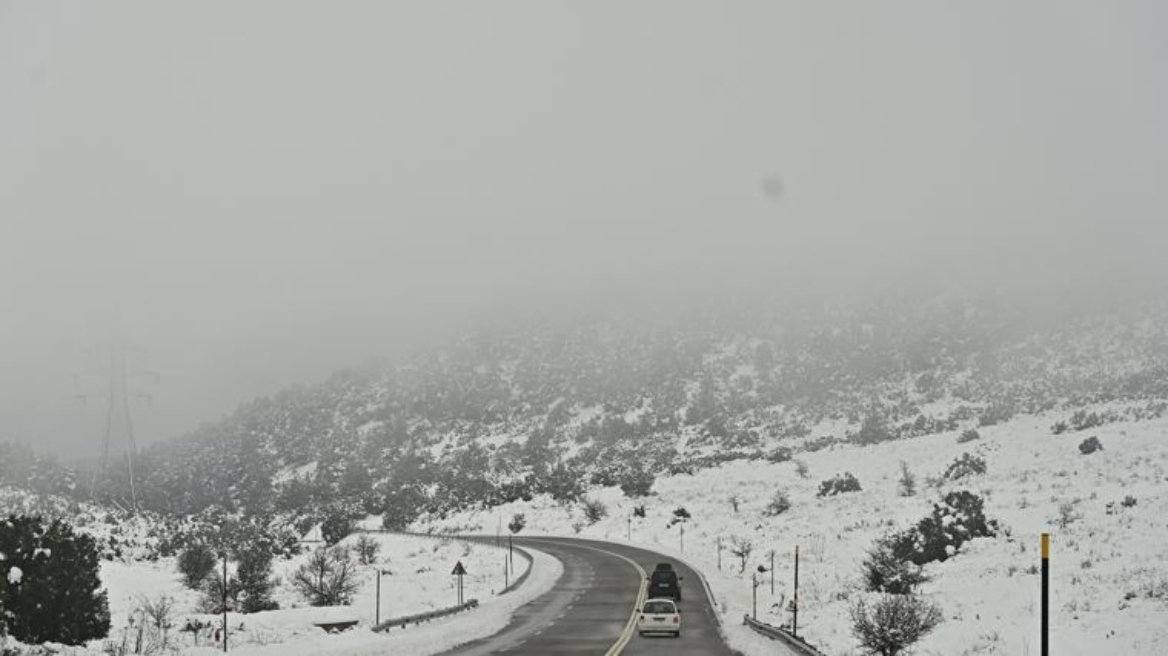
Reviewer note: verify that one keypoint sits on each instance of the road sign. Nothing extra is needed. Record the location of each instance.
(459, 571)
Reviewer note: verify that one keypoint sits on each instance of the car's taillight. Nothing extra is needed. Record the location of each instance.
(677, 619)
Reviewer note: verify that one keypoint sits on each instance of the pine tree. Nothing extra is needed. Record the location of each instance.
(49, 583)
(254, 574)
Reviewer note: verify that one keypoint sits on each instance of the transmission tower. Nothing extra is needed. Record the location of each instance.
(119, 420)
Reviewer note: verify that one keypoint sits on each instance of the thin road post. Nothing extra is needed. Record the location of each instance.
(1046, 594)
(795, 599)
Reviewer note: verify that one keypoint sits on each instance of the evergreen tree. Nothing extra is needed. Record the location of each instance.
(49, 586)
(254, 574)
(195, 563)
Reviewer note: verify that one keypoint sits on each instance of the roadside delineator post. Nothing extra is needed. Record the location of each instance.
(795, 599)
(1046, 594)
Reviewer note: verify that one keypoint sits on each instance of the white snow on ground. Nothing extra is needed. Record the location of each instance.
(420, 581)
(1109, 572)
(431, 638)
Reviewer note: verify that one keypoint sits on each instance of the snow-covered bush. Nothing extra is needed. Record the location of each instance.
(195, 563)
(873, 431)
(842, 483)
(337, 527)
(893, 623)
(518, 523)
(366, 550)
(636, 482)
(957, 519)
(965, 465)
(907, 485)
(49, 586)
(968, 435)
(778, 504)
(884, 570)
(1090, 445)
(594, 510)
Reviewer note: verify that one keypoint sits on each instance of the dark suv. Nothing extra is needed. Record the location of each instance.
(664, 582)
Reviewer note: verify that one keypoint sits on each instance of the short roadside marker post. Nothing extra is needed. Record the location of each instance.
(772, 555)
(795, 599)
(1046, 594)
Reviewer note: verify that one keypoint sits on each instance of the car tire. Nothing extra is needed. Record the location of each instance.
(677, 634)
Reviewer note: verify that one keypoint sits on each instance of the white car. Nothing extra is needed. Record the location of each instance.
(659, 616)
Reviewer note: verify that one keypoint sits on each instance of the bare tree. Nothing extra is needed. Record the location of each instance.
(741, 547)
(329, 578)
(894, 623)
(156, 617)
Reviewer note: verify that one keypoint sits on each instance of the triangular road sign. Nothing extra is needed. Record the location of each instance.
(459, 570)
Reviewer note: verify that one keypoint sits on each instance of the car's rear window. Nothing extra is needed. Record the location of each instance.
(659, 608)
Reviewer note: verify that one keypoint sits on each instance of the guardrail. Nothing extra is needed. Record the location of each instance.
(481, 539)
(782, 635)
(425, 617)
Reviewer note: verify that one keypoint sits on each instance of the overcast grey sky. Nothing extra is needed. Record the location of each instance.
(260, 193)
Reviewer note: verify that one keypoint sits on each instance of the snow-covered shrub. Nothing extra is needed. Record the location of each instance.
(49, 585)
(366, 550)
(893, 623)
(594, 510)
(957, 519)
(636, 482)
(801, 469)
(1059, 427)
(639, 511)
(965, 465)
(873, 431)
(195, 563)
(780, 454)
(1067, 514)
(337, 527)
(778, 504)
(1128, 501)
(907, 485)
(734, 500)
(1083, 420)
(885, 571)
(842, 483)
(996, 413)
(1090, 445)
(968, 435)
(518, 522)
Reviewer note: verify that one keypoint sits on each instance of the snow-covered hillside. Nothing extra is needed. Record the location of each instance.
(1109, 558)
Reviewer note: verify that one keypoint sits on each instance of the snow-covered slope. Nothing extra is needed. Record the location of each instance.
(1109, 560)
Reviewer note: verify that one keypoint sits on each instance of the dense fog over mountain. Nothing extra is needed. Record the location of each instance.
(259, 195)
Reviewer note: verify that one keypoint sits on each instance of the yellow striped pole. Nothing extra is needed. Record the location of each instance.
(1046, 594)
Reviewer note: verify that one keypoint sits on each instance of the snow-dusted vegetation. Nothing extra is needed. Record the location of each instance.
(1106, 513)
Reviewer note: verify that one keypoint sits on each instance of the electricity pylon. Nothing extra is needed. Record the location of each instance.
(118, 419)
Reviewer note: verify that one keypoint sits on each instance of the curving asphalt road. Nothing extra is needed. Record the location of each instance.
(589, 608)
